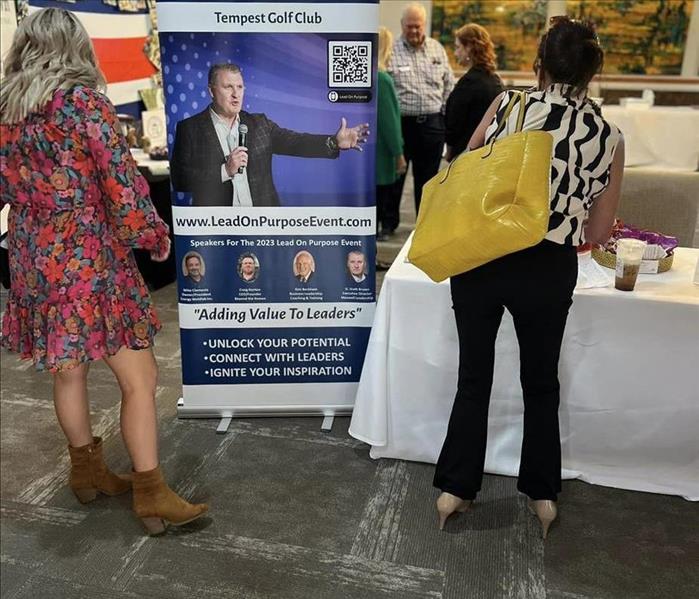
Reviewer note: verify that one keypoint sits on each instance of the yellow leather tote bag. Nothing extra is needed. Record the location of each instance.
(487, 203)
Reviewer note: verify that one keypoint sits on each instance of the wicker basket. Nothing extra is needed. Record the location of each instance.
(608, 259)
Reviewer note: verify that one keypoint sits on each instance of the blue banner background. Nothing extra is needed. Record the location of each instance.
(286, 78)
(276, 277)
(197, 361)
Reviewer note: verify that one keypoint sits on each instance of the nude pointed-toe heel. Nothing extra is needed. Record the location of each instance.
(448, 504)
(546, 511)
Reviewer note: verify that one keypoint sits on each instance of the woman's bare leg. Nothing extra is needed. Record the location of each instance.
(137, 373)
(72, 406)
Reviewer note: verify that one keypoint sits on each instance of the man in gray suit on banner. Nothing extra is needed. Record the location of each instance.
(223, 155)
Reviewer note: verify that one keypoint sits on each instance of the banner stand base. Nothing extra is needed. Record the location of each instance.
(327, 424)
(222, 427)
(226, 415)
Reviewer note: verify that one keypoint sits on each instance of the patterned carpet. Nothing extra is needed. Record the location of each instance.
(298, 513)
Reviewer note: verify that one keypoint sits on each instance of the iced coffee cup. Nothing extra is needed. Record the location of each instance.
(629, 253)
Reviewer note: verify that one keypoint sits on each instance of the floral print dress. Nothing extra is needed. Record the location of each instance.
(78, 206)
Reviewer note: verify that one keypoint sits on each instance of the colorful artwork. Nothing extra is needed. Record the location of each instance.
(514, 25)
(639, 38)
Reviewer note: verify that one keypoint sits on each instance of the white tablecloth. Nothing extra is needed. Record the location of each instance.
(660, 136)
(629, 413)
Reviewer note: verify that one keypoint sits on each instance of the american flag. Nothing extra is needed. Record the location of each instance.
(119, 39)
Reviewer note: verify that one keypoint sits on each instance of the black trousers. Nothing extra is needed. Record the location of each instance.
(536, 286)
(423, 144)
(387, 210)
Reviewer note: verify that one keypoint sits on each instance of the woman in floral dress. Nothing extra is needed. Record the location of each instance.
(78, 207)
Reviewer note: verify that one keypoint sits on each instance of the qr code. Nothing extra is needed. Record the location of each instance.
(349, 64)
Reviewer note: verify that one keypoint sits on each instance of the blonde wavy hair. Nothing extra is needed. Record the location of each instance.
(50, 51)
(482, 48)
(385, 47)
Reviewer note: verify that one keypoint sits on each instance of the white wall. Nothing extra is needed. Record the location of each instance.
(690, 64)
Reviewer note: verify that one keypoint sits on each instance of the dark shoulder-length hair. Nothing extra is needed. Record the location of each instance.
(569, 52)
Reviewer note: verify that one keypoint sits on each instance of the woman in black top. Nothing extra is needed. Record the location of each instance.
(475, 91)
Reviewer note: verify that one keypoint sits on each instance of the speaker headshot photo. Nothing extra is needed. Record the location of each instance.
(223, 155)
(357, 269)
(304, 267)
(248, 267)
(193, 268)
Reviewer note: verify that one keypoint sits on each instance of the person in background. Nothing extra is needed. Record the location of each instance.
(390, 161)
(475, 91)
(78, 207)
(423, 79)
(536, 284)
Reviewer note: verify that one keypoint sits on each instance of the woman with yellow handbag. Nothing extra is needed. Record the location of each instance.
(534, 284)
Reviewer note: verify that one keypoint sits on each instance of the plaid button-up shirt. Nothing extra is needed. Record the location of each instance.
(422, 76)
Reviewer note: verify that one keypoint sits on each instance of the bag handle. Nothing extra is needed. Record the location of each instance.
(503, 121)
(520, 115)
(520, 97)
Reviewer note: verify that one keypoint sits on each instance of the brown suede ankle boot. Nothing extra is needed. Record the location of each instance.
(158, 506)
(89, 474)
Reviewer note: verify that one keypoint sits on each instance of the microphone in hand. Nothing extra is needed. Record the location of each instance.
(242, 141)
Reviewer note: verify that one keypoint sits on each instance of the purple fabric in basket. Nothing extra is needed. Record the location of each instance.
(666, 242)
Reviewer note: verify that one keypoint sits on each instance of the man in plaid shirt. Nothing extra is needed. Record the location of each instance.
(423, 80)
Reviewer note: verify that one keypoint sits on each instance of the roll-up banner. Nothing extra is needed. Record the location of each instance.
(271, 126)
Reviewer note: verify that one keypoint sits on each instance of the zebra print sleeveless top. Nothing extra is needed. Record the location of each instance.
(583, 148)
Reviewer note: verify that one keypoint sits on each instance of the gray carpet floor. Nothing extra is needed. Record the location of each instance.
(298, 513)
